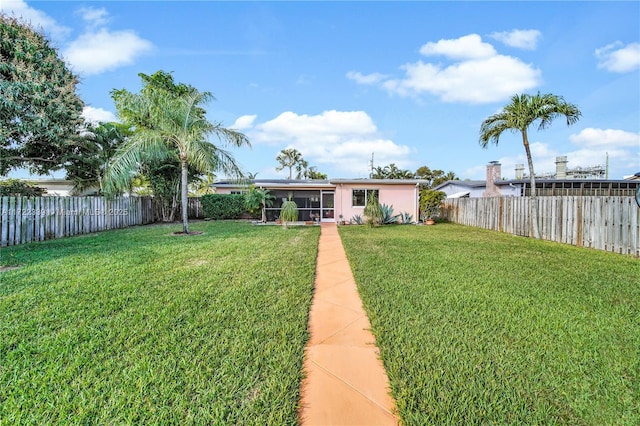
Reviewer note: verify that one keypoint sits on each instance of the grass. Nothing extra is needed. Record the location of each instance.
(478, 327)
(141, 327)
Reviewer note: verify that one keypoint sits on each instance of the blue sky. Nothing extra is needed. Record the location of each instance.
(409, 82)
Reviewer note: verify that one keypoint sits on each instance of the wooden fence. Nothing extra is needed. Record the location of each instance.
(37, 219)
(603, 223)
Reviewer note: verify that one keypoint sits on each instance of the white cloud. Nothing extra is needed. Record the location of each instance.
(94, 17)
(604, 138)
(618, 58)
(244, 122)
(343, 139)
(478, 74)
(467, 47)
(97, 115)
(365, 79)
(522, 39)
(473, 81)
(96, 52)
(36, 18)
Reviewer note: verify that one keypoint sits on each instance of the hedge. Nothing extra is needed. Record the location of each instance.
(223, 206)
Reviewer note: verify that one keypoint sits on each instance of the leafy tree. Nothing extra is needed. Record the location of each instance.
(391, 172)
(434, 177)
(90, 152)
(203, 185)
(171, 124)
(19, 188)
(39, 107)
(313, 173)
(259, 199)
(301, 169)
(289, 158)
(517, 116)
(430, 202)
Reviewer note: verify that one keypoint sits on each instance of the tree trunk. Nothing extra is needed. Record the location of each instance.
(533, 205)
(264, 213)
(185, 200)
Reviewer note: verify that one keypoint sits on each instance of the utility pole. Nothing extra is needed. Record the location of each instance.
(606, 168)
(371, 167)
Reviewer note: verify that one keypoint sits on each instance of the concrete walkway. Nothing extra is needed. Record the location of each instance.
(345, 383)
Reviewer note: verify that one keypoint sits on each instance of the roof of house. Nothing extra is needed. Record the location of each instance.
(289, 183)
(463, 183)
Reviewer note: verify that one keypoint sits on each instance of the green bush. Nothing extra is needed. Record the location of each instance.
(223, 206)
(18, 188)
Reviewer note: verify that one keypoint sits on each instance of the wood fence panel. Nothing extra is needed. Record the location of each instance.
(37, 219)
(610, 223)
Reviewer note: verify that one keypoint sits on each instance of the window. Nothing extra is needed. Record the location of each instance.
(237, 192)
(359, 197)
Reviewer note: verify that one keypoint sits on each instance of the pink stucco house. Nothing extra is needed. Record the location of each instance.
(331, 199)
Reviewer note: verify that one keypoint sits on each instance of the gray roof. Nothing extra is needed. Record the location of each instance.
(463, 183)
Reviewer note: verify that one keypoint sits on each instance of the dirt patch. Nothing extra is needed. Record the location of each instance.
(180, 233)
(9, 268)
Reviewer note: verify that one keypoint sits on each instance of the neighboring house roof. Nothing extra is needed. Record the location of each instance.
(462, 183)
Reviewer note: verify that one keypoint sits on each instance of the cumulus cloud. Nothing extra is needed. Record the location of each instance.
(467, 47)
(365, 79)
(36, 18)
(244, 122)
(344, 139)
(604, 138)
(98, 115)
(478, 74)
(522, 39)
(103, 50)
(95, 51)
(94, 17)
(618, 58)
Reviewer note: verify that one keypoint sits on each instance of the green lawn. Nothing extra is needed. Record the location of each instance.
(141, 327)
(478, 327)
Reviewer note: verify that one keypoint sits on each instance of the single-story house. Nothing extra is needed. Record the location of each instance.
(333, 199)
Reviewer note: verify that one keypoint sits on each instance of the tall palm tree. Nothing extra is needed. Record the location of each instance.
(178, 127)
(517, 116)
(288, 158)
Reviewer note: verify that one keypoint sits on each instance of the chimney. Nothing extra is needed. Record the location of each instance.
(561, 167)
(519, 171)
(494, 173)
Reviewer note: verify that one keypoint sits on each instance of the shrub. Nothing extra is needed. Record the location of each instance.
(357, 219)
(288, 212)
(223, 206)
(373, 211)
(430, 203)
(18, 188)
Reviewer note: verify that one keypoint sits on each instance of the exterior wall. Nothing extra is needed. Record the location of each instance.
(403, 198)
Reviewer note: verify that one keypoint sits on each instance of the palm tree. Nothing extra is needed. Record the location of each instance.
(259, 198)
(517, 116)
(177, 128)
(289, 158)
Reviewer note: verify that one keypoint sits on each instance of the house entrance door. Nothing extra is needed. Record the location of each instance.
(327, 207)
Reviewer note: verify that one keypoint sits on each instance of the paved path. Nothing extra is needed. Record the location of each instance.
(345, 383)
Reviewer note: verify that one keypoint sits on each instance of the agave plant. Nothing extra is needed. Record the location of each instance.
(387, 215)
(405, 218)
(357, 219)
